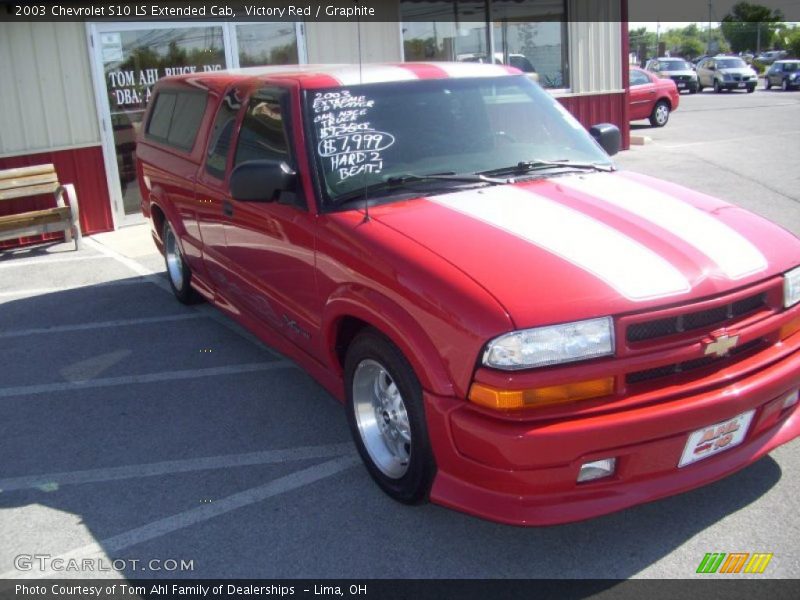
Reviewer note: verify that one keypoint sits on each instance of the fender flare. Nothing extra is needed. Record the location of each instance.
(392, 321)
(156, 199)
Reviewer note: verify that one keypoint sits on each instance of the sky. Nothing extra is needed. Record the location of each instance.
(652, 26)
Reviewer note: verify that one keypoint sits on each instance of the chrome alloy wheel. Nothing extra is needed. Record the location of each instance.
(662, 114)
(382, 418)
(172, 252)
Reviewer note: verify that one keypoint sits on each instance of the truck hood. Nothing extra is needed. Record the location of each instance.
(585, 245)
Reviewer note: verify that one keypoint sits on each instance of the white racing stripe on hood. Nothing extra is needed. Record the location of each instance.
(633, 270)
(734, 254)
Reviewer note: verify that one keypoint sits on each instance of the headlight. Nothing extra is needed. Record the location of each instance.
(791, 287)
(553, 344)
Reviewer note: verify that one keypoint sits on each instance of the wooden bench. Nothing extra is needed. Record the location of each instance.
(34, 181)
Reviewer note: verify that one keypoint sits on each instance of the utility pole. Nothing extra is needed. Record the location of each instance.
(758, 38)
(658, 38)
(708, 37)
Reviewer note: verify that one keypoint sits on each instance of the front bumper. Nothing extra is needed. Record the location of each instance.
(525, 473)
(686, 85)
(737, 85)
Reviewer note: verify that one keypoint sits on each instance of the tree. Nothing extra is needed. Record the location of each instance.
(793, 42)
(686, 42)
(750, 26)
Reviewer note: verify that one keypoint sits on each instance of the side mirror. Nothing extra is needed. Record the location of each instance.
(261, 180)
(608, 136)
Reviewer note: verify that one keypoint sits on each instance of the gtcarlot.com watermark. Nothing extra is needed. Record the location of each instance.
(46, 562)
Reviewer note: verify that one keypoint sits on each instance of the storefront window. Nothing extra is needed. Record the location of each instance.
(132, 62)
(533, 36)
(530, 35)
(444, 30)
(267, 44)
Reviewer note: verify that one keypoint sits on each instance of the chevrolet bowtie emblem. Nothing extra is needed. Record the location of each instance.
(721, 345)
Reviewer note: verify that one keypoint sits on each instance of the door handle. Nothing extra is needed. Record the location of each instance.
(227, 208)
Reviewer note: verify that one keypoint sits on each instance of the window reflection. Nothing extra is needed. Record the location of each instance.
(267, 44)
(527, 34)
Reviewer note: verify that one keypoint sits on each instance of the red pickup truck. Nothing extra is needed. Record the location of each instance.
(516, 328)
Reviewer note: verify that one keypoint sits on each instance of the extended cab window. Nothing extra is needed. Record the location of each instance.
(221, 135)
(176, 118)
(265, 128)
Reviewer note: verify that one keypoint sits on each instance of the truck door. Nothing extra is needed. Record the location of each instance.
(269, 250)
(212, 186)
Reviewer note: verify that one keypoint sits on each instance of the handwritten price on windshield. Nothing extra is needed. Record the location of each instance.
(355, 142)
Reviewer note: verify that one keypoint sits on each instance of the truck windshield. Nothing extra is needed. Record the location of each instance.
(365, 135)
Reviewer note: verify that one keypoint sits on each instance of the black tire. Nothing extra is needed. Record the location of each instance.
(751, 89)
(660, 115)
(694, 90)
(368, 349)
(717, 87)
(178, 273)
(785, 85)
(767, 83)
(700, 87)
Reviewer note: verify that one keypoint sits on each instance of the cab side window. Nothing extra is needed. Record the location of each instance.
(265, 135)
(219, 144)
(265, 128)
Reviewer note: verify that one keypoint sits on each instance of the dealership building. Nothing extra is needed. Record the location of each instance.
(74, 93)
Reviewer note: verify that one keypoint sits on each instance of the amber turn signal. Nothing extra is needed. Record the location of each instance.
(790, 328)
(491, 397)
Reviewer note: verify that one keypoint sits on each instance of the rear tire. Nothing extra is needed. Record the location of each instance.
(178, 272)
(767, 83)
(387, 418)
(717, 87)
(660, 115)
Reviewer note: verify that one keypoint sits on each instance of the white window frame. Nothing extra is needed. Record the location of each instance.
(103, 107)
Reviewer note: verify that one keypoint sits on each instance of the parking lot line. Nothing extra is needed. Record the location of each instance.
(157, 279)
(187, 518)
(99, 325)
(52, 481)
(47, 388)
(43, 291)
(41, 260)
(791, 133)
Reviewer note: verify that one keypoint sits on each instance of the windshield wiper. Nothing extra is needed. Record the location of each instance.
(526, 166)
(400, 181)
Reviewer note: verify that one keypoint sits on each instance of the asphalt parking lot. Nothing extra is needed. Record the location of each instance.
(135, 429)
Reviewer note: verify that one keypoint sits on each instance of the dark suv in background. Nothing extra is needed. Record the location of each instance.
(677, 69)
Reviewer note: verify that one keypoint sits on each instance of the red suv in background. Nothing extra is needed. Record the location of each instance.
(652, 97)
(517, 329)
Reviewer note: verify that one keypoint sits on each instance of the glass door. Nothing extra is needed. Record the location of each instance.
(129, 58)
